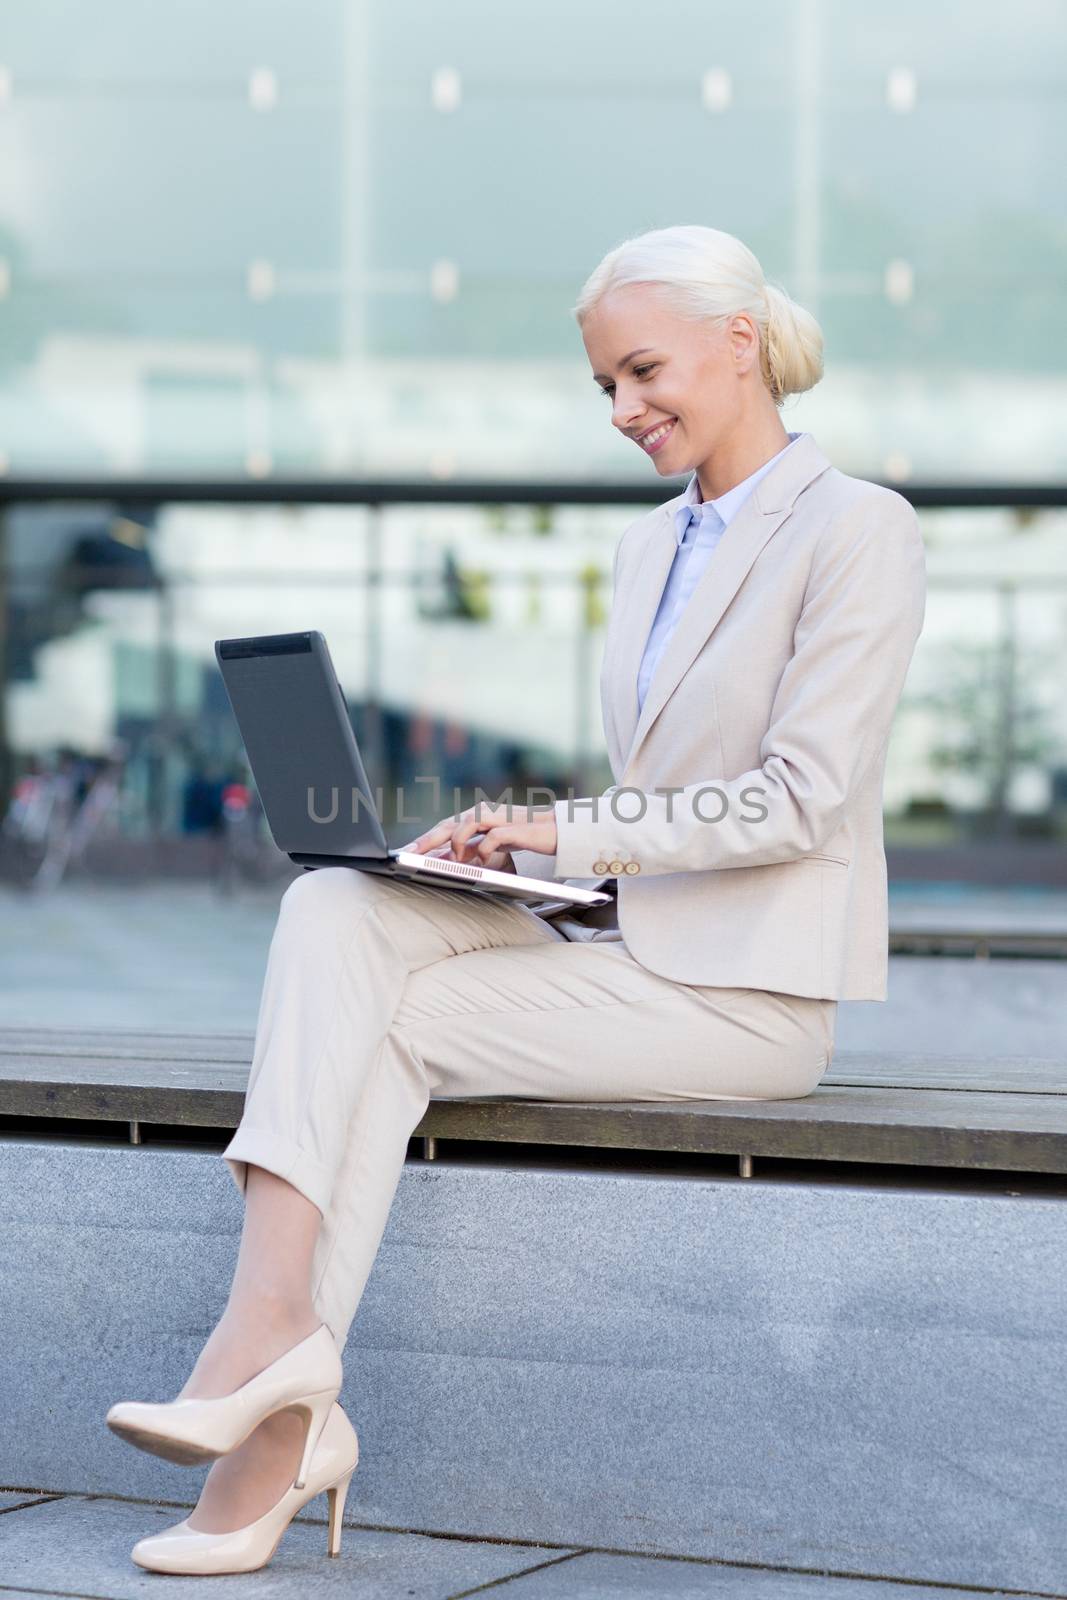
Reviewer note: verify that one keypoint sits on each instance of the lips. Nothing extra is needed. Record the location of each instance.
(650, 449)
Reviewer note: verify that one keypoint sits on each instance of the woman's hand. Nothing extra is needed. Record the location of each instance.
(483, 836)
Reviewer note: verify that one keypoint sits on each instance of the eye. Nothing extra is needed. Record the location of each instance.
(638, 371)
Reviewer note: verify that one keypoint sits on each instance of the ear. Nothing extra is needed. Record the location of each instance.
(744, 342)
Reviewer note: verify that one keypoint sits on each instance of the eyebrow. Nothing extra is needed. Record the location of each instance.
(598, 376)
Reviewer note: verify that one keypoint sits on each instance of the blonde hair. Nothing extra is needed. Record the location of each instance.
(706, 275)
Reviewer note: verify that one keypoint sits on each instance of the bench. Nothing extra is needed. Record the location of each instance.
(980, 927)
(822, 1334)
(916, 1111)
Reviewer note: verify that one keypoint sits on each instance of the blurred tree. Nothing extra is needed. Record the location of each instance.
(534, 605)
(590, 577)
(497, 518)
(990, 722)
(465, 593)
(475, 585)
(7, 774)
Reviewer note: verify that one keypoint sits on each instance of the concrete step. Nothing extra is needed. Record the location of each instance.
(860, 1377)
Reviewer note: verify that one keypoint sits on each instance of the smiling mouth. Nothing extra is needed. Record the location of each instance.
(650, 442)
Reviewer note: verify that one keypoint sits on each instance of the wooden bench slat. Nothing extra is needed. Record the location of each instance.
(1007, 1074)
(86, 1053)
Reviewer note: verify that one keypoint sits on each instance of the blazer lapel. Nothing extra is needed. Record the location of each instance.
(633, 612)
(758, 519)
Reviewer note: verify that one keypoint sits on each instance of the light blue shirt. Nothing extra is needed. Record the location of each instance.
(698, 527)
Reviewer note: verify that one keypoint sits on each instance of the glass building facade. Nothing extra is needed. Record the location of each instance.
(340, 241)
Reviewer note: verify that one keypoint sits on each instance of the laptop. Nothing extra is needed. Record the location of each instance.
(292, 716)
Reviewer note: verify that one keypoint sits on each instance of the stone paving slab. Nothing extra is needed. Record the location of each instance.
(80, 1545)
(11, 1499)
(176, 955)
(596, 1575)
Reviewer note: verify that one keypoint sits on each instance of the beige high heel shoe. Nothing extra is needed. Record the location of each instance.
(185, 1549)
(306, 1378)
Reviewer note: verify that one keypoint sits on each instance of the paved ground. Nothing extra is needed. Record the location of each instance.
(79, 1545)
(176, 955)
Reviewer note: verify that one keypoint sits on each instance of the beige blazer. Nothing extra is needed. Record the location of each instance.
(768, 719)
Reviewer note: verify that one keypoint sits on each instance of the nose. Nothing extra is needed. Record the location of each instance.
(626, 411)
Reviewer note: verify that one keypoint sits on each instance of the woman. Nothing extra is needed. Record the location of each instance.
(762, 626)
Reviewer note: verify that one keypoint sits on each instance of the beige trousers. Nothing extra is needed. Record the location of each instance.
(380, 995)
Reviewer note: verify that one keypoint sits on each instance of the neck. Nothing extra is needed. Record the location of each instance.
(738, 456)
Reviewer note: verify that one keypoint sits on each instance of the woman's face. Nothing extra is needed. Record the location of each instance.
(663, 371)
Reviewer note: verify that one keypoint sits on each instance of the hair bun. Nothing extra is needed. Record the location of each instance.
(707, 275)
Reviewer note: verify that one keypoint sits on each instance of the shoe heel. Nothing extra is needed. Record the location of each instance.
(316, 1407)
(336, 1494)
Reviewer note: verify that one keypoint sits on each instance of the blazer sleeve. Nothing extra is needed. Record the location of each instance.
(830, 719)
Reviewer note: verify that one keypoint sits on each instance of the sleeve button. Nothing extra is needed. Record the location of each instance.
(615, 866)
(631, 866)
(600, 868)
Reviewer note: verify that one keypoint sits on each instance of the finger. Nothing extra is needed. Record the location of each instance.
(458, 841)
(468, 825)
(439, 834)
(497, 840)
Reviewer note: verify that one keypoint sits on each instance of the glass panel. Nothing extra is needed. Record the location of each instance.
(171, 256)
(180, 196)
(59, 42)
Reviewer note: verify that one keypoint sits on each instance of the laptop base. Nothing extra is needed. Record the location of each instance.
(492, 891)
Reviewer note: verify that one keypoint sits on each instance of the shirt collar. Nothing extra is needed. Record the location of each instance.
(727, 505)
